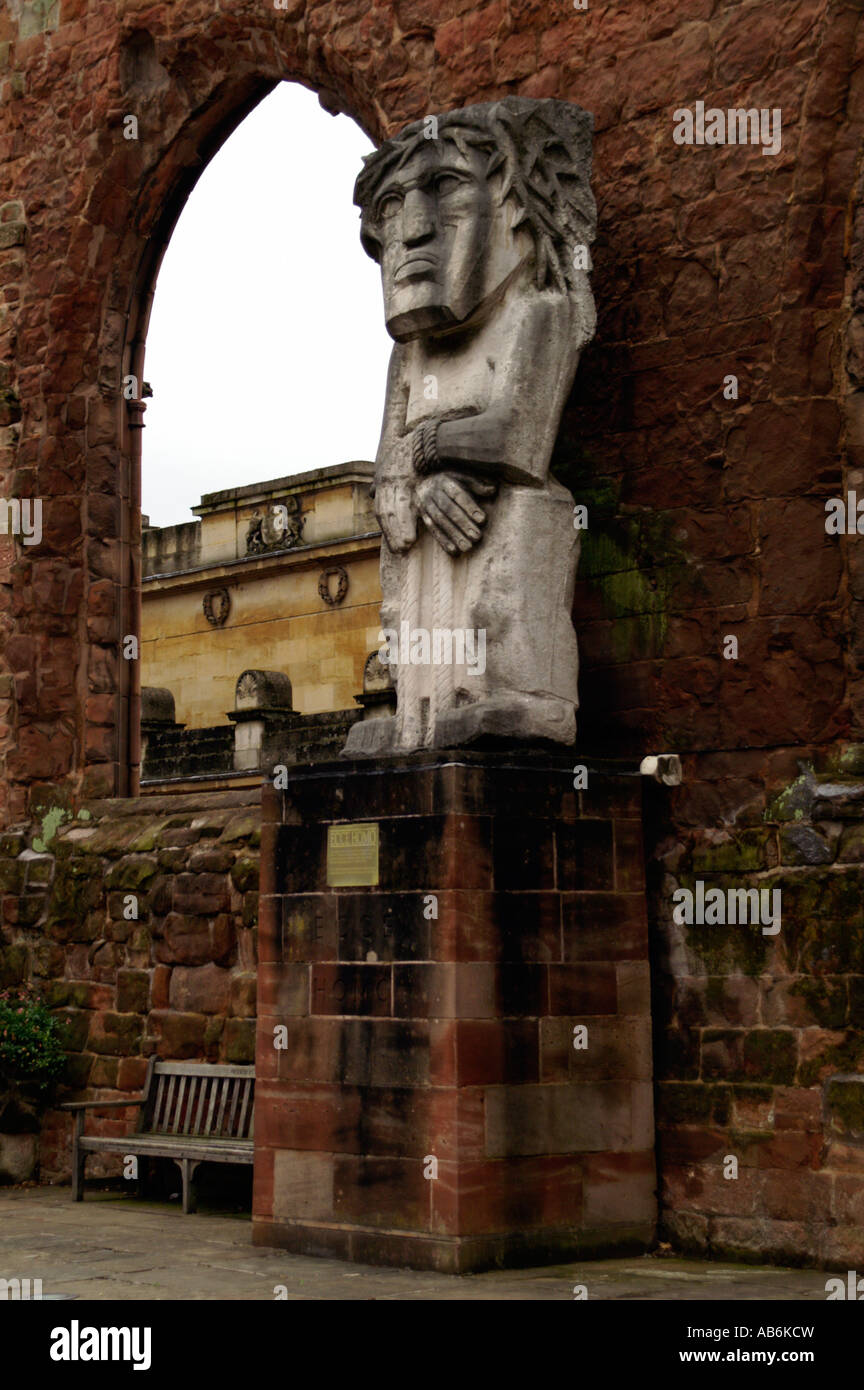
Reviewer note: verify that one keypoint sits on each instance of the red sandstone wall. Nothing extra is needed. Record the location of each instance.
(709, 261)
(137, 922)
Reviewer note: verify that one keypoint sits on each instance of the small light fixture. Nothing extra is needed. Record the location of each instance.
(663, 767)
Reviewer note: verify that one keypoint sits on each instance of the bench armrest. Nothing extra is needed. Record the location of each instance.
(100, 1104)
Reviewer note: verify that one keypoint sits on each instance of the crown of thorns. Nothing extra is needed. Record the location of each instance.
(543, 150)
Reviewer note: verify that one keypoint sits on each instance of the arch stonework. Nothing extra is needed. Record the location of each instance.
(97, 210)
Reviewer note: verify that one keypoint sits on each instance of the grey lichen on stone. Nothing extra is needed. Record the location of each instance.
(795, 802)
(841, 799)
(38, 17)
(808, 844)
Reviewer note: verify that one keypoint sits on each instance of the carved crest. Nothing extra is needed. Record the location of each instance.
(217, 606)
(339, 574)
(247, 688)
(376, 675)
(279, 528)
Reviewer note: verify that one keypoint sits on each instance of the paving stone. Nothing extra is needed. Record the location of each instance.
(118, 1247)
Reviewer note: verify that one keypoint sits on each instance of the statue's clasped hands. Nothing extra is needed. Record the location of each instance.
(445, 502)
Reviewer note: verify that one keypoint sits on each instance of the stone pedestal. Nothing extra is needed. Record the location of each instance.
(420, 1100)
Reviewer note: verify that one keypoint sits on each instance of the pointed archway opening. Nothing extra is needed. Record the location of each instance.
(293, 297)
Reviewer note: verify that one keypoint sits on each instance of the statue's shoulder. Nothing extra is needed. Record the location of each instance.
(529, 309)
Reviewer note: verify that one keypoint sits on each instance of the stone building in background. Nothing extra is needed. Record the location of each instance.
(277, 577)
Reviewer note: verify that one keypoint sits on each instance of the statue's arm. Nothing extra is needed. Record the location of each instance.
(446, 504)
(512, 439)
(394, 470)
(393, 459)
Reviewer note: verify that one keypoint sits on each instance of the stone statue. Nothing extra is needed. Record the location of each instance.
(481, 221)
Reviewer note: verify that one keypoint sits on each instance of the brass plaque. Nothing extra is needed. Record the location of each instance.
(352, 855)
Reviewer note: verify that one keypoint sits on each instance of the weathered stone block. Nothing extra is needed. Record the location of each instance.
(78, 1068)
(202, 990)
(463, 990)
(13, 965)
(690, 1102)
(243, 995)
(614, 1049)
(303, 1185)
(179, 1035)
(244, 873)
(195, 940)
(133, 991)
(19, 1155)
(104, 1072)
(12, 234)
(115, 1035)
(202, 894)
(245, 826)
(619, 1188)
(11, 875)
(240, 1040)
(806, 844)
(133, 872)
(763, 1054)
(131, 1073)
(212, 861)
(844, 1102)
(583, 1118)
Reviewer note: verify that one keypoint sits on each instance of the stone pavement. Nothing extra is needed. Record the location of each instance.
(117, 1247)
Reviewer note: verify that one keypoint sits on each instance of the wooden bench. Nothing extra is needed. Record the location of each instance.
(190, 1112)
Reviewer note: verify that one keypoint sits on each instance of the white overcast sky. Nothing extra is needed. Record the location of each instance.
(267, 351)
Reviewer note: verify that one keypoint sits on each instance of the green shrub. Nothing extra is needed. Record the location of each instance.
(31, 1040)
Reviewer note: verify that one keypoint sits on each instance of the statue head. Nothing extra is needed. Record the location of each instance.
(454, 205)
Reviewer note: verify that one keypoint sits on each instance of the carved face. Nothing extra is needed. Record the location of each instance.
(445, 242)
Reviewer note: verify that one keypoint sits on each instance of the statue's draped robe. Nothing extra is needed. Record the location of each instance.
(517, 582)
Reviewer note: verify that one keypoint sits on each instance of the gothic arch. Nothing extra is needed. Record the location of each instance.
(72, 729)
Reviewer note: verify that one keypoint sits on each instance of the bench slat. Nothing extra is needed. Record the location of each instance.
(208, 1127)
(247, 1091)
(236, 1088)
(167, 1146)
(194, 1083)
(178, 1108)
(168, 1112)
(206, 1069)
(223, 1101)
(160, 1102)
(204, 1085)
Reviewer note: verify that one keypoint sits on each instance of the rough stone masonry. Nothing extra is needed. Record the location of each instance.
(706, 503)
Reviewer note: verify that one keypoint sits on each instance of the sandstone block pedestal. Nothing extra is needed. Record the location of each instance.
(420, 1100)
